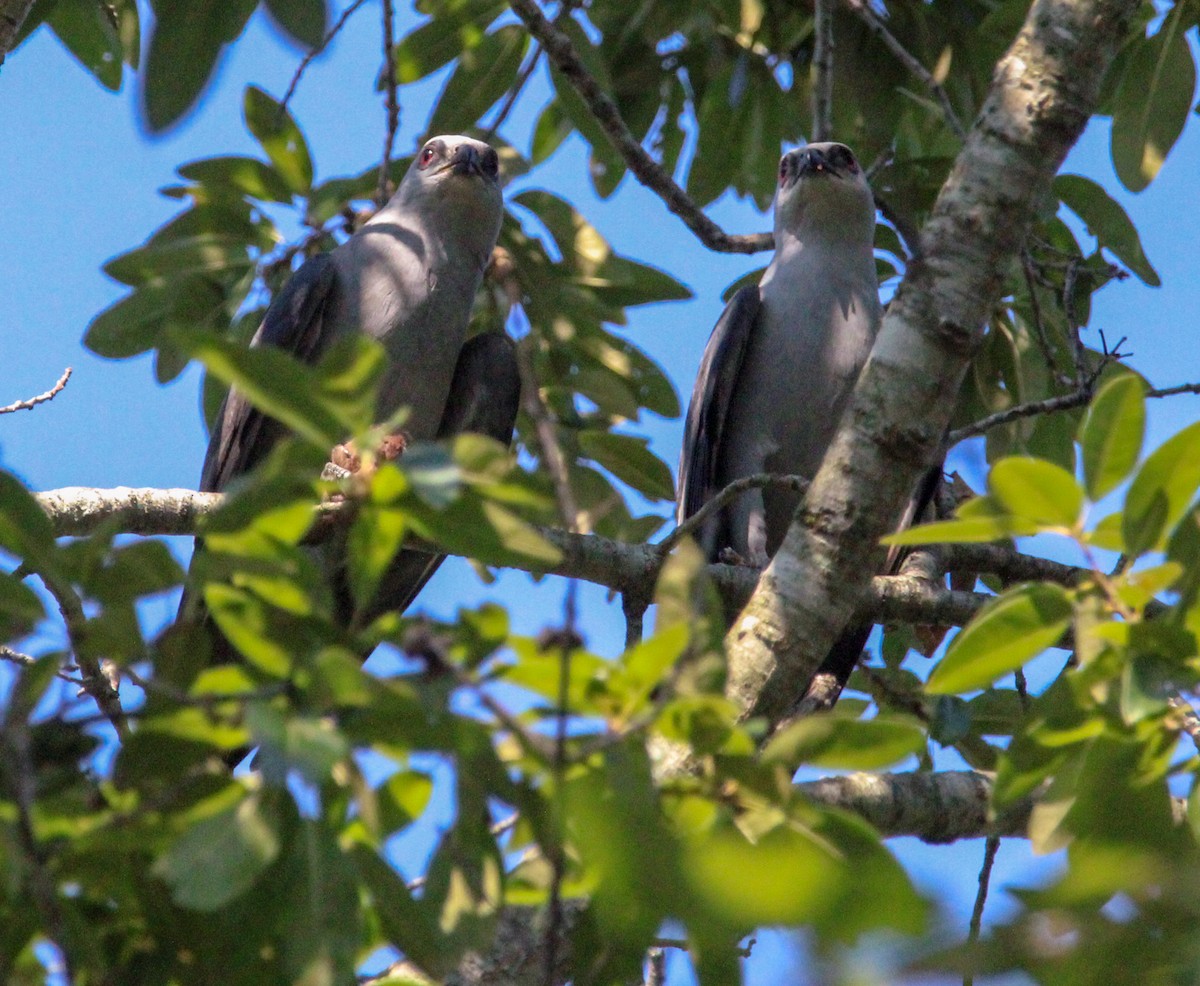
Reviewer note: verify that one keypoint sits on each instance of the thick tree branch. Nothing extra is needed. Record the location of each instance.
(1042, 95)
(822, 70)
(649, 172)
(626, 568)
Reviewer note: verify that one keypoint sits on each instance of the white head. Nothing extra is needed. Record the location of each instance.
(824, 184)
(457, 180)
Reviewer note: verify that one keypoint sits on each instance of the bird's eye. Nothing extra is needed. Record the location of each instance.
(783, 169)
(426, 158)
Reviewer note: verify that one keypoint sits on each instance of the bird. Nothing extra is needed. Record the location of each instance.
(407, 278)
(781, 364)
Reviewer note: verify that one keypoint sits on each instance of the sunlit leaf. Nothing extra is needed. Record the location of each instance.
(280, 137)
(1111, 434)
(1036, 490)
(839, 741)
(1162, 490)
(1106, 221)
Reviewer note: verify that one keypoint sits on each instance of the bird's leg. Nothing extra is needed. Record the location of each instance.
(347, 457)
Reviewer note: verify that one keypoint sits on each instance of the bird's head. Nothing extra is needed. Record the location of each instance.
(458, 176)
(824, 183)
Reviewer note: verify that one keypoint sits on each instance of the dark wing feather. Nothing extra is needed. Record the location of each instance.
(484, 396)
(711, 397)
(296, 322)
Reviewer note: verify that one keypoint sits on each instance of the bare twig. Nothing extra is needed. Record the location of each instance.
(1049, 405)
(757, 481)
(543, 423)
(649, 172)
(30, 403)
(985, 876)
(867, 15)
(513, 94)
(382, 193)
(304, 62)
(96, 681)
(45, 896)
(822, 70)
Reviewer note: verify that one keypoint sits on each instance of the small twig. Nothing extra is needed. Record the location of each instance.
(1183, 388)
(45, 896)
(757, 481)
(985, 876)
(304, 62)
(649, 172)
(543, 423)
(656, 967)
(822, 70)
(1064, 402)
(867, 15)
(25, 660)
(392, 103)
(1069, 280)
(95, 681)
(30, 403)
(1035, 307)
(513, 94)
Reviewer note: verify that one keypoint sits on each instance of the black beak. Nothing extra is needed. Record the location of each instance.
(813, 162)
(466, 161)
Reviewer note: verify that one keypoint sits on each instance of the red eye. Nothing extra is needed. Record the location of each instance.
(426, 158)
(783, 169)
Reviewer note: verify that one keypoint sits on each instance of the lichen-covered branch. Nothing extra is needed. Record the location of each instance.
(1042, 95)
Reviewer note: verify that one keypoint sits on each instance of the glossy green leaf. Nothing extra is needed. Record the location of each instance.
(1004, 635)
(1153, 102)
(219, 858)
(1106, 221)
(630, 460)
(245, 175)
(305, 21)
(484, 73)
(1161, 491)
(978, 520)
(1037, 490)
(456, 27)
(88, 33)
(838, 741)
(321, 404)
(20, 608)
(280, 138)
(1111, 434)
(185, 44)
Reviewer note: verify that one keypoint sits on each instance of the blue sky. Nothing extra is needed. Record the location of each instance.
(79, 185)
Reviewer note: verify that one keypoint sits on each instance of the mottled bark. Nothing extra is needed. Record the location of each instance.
(1043, 92)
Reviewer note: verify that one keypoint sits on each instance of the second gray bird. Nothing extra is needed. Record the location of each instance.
(782, 361)
(407, 278)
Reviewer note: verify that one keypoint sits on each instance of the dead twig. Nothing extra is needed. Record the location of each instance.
(382, 193)
(304, 62)
(561, 51)
(30, 403)
(822, 70)
(757, 481)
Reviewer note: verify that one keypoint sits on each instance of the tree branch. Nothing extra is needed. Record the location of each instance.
(1042, 95)
(30, 403)
(649, 172)
(822, 70)
(875, 25)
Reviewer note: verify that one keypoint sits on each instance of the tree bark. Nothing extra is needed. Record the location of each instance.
(1042, 95)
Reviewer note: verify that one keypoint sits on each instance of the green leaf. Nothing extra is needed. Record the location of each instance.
(1160, 493)
(1036, 490)
(1111, 434)
(20, 608)
(87, 33)
(218, 859)
(484, 73)
(455, 28)
(133, 324)
(1013, 629)
(184, 46)
(280, 138)
(322, 404)
(1153, 101)
(1106, 221)
(404, 922)
(978, 520)
(840, 742)
(305, 21)
(245, 175)
(629, 459)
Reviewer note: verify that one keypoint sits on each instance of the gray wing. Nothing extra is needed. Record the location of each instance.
(485, 394)
(711, 397)
(295, 321)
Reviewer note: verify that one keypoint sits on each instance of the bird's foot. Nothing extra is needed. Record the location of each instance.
(345, 460)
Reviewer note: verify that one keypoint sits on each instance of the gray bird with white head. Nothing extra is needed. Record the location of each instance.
(407, 278)
(782, 362)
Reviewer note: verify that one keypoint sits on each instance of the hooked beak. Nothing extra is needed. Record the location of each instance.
(466, 161)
